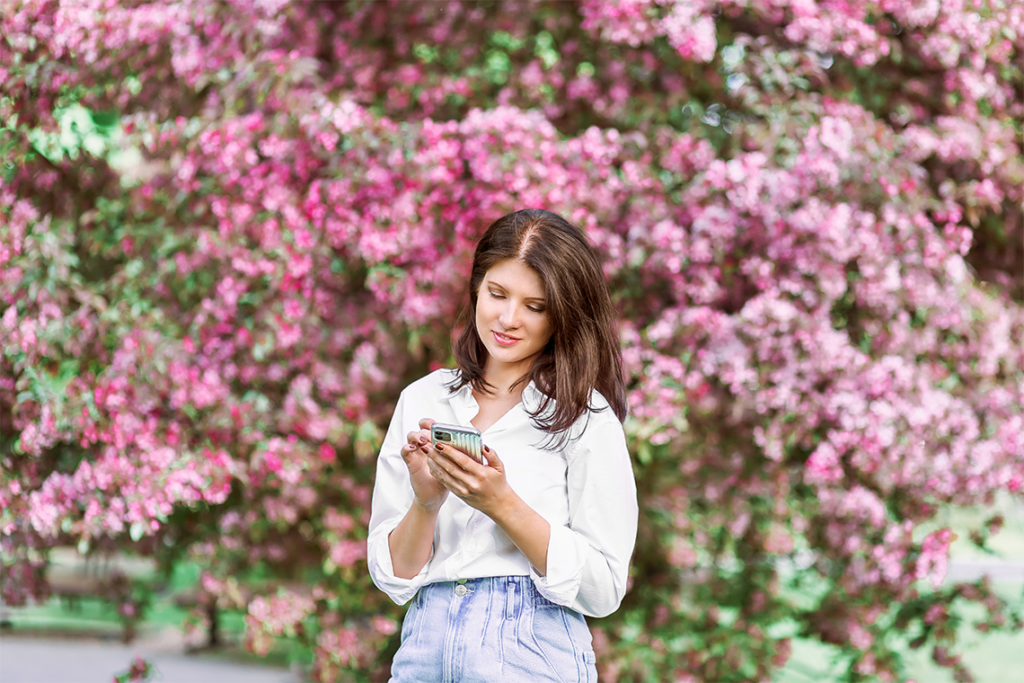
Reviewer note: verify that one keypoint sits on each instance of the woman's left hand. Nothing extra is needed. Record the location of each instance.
(483, 487)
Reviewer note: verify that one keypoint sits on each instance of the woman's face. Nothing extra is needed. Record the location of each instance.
(511, 316)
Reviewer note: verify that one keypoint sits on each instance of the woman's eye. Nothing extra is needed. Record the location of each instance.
(534, 309)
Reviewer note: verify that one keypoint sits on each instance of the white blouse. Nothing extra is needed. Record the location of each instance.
(585, 491)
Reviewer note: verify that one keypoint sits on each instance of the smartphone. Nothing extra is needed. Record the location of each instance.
(466, 439)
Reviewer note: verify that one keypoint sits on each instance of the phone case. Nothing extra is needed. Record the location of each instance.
(466, 439)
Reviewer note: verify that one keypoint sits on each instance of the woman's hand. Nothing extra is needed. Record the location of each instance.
(428, 492)
(483, 487)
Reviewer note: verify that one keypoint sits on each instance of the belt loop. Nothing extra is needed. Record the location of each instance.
(510, 599)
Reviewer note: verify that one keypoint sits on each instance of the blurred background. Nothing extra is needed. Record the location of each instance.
(231, 232)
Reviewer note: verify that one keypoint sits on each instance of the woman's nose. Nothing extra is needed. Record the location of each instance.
(509, 317)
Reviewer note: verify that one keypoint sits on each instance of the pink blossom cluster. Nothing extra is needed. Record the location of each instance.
(947, 34)
(821, 323)
(277, 615)
(932, 562)
(342, 648)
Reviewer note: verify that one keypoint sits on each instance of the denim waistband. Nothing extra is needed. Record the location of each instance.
(521, 588)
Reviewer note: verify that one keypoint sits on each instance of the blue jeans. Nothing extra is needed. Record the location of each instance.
(492, 629)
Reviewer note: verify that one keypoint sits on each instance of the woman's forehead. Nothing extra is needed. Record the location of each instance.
(514, 275)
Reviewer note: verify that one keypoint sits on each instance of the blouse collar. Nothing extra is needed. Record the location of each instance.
(466, 407)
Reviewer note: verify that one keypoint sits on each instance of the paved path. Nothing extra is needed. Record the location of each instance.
(27, 659)
(970, 569)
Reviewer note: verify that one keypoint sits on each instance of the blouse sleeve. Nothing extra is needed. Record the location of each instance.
(588, 560)
(392, 498)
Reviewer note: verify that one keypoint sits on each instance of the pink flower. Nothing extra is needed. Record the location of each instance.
(327, 453)
(383, 625)
(272, 462)
(934, 556)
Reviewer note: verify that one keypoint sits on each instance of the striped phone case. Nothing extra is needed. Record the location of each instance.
(466, 439)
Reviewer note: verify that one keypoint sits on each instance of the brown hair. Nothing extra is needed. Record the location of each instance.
(583, 353)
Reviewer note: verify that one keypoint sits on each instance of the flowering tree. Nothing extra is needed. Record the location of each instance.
(808, 212)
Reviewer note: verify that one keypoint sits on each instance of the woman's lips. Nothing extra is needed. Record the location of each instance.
(504, 339)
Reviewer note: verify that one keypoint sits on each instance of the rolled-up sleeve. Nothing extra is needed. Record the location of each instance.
(588, 560)
(392, 498)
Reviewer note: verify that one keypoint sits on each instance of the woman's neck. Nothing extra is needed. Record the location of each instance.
(503, 378)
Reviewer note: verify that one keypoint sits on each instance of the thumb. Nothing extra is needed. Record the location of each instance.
(492, 458)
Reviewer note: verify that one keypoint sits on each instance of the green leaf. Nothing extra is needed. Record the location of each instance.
(643, 453)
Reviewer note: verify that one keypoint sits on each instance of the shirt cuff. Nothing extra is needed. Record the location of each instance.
(565, 567)
(382, 571)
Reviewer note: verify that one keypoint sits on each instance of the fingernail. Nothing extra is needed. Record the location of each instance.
(439, 447)
(423, 439)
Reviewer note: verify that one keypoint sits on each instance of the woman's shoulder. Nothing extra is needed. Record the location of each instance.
(594, 428)
(597, 407)
(599, 404)
(599, 412)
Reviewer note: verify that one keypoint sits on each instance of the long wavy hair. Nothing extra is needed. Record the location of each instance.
(583, 353)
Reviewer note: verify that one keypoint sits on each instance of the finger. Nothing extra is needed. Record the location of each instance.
(417, 438)
(445, 479)
(410, 456)
(439, 476)
(426, 423)
(436, 472)
(444, 463)
(458, 457)
(465, 479)
(492, 458)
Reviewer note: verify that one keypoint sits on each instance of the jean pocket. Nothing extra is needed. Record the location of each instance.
(557, 641)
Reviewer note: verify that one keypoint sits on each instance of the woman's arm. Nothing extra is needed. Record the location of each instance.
(406, 500)
(526, 528)
(485, 488)
(588, 560)
(412, 541)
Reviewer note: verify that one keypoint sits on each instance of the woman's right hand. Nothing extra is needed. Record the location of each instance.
(428, 492)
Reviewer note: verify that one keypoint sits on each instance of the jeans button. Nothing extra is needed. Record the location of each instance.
(461, 590)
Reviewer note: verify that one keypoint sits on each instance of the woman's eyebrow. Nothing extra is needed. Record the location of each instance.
(496, 285)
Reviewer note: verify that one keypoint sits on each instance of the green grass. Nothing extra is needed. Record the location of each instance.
(89, 616)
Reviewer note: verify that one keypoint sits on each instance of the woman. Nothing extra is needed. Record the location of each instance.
(502, 560)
